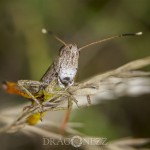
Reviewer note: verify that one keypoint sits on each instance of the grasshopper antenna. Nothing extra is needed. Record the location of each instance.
(110, 38)
(45, 31)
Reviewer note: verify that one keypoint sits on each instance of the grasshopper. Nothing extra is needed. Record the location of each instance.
(59, 76)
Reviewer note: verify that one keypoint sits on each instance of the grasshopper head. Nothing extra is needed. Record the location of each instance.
(68, 59)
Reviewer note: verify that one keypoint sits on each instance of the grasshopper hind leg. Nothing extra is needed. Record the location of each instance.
(22, 85)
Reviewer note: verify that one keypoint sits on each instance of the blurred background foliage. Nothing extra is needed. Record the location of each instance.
(25, 53)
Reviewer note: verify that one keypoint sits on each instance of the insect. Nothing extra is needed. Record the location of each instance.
(59, 76)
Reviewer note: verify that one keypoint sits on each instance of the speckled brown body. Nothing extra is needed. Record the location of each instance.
(64, 68)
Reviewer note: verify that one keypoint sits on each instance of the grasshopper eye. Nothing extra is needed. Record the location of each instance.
(61, 50)
(73, 47)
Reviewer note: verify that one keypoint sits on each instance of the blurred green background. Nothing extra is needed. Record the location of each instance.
(25, 53)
